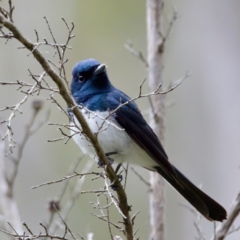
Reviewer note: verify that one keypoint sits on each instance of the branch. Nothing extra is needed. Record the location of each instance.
(157, 112)
(137, 54)
(15, 109)
(64, 178)
(223, 230)
(123, 204)
(33, 236)
(7, 201)
(57, 200)
(196, 221)
(141, 178)
(36, 106)
(76, 192)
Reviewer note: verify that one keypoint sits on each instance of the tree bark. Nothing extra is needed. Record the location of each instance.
(157, 114)
(7, 202)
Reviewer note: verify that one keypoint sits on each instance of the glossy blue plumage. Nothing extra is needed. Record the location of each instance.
(97, 93)
(127, 133)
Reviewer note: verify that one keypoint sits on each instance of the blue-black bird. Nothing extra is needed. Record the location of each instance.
(126, 136)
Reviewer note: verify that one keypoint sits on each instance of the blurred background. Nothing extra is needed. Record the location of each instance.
(203, 114)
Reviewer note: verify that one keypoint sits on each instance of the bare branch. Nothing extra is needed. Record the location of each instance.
(155, 79)
(140, 177)
(85, 129)
(134, 216)
(62, 191)
(76, 192)
(36, 106)
(196, 221)
(167, 34)
(65, 224)
(112, 198)
(7, 201)
(223, 229)
(139, 55)
(15, 109)
(111, 223)
(64, 178)
(24, 236)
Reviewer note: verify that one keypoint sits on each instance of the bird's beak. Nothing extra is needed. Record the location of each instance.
(101, 68)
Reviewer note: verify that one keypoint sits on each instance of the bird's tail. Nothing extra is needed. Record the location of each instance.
(208, 207)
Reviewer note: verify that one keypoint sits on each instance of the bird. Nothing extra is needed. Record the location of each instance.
(124, 134)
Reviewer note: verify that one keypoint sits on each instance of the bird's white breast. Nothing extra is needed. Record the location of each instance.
(112, 138)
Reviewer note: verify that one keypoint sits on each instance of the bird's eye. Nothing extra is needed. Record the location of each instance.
(80, 78)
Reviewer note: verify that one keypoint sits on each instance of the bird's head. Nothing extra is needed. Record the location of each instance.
(89, 77)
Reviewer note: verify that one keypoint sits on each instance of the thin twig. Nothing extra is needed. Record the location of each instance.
(63, 179)
(36, 106)
(196, 221)
(15, 109)
(75, 194)
(7, 201)
(137, 54)
(223, 229)
(140, 177)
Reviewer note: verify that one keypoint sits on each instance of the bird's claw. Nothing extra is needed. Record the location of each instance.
(120, 177)
(101, 164)
(114, 187)
(110, 160)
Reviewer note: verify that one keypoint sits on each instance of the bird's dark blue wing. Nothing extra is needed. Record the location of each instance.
(130, 119)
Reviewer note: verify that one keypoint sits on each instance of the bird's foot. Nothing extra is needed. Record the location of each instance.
(113, 186)
(120, 177)
(101, 164)
(110, 160)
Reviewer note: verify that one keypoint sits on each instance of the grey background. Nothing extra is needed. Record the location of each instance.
(202, 132)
